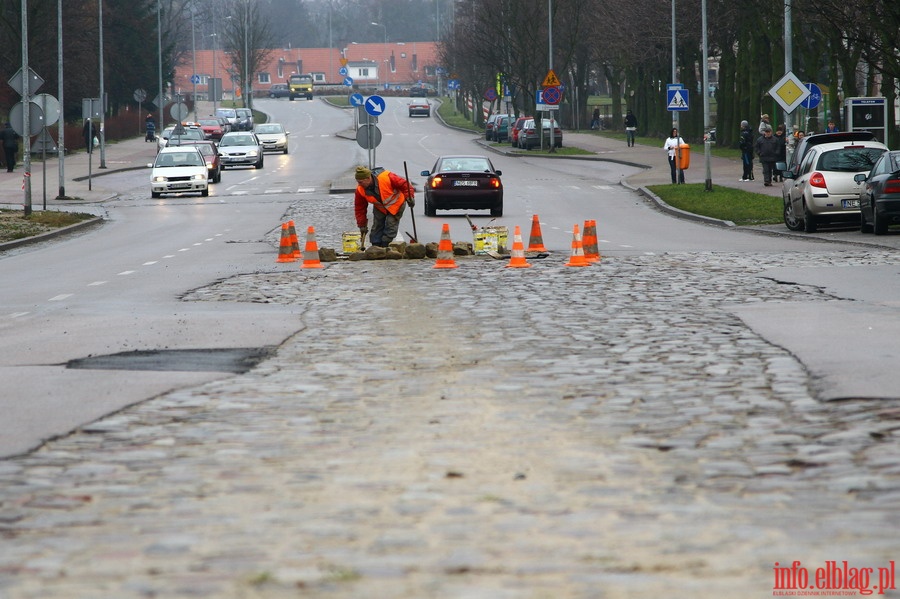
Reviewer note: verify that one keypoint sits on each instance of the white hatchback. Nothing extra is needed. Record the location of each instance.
(179, 169)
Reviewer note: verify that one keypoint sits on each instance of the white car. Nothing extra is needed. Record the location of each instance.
(186, 133)
(179, 169)
(273, 137)
(240, 148)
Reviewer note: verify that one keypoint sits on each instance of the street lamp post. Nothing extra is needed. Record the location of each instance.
(246, 58)
(215, 86)
(162, 102)
(193, 62)
(102, 95)
(382, 25)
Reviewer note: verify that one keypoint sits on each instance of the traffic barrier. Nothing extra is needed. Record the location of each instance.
(311, 250)
(589, 241)
(285, 253)
(445, 250)
(577, 257)
(518, 252)
(536, 239)
(295, 243)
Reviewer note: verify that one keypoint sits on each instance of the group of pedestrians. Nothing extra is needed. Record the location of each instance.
(768, 144)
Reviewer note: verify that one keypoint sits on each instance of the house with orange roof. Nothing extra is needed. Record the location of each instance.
(393, 65)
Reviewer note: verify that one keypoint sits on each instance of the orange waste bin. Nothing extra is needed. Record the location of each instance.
(683, 154)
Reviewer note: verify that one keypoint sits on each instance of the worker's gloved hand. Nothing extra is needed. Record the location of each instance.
(411, 200)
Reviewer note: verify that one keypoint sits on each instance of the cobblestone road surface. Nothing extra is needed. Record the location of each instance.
(482, 433)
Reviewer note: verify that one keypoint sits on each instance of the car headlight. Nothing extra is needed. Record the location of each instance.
(252, 152)
(198, 177)
(159, 179)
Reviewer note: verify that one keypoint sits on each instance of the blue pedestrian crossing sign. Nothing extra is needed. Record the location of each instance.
(677, 99)
(375, 105)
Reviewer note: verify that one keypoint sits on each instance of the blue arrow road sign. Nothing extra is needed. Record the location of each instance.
(814, 98)
(348, 81)
(356, 100)
(195, 79)
(375, 105)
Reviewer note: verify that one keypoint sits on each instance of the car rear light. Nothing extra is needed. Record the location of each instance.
(436, 182)
(817, 180)
(892, 186)
(495, 183)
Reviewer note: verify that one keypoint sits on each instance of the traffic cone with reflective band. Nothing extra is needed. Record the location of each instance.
(445, 250)
(295, 243)
(536, 240)
(518, 252)
(589, 243)
(285, 253)
(311, 251)
(577, 257)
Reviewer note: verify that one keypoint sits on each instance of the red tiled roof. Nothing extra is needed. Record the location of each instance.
(321, 60)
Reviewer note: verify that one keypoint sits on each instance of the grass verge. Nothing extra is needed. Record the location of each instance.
(743, 208)
(15, 225)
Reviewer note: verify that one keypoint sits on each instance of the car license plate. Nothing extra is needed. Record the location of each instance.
(466, 183)
(179, 185)
(850, 203)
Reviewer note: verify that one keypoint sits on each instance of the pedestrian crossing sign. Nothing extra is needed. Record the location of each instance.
(677, 99)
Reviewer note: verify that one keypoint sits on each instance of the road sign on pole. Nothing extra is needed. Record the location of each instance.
(814, 98)
(375, 105)
(789, 92)
(677, 99)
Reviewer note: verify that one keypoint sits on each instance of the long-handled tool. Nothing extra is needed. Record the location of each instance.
(412, 213)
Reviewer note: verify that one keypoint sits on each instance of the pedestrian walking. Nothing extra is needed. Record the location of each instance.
(88, 133)
(631, 126)
(781, 138)
(746, 146)
(151, 128)
(671, 146)
(767, 150)
(10, 141)
(388, 194)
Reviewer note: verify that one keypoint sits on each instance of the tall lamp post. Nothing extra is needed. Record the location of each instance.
(161, 99)
(193, 62)
(215, 85)
(102, 95)
(382, 25)
(246, 57)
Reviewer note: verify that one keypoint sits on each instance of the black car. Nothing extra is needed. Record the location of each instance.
(879, 199)
(279, 90)
(463, 182)
(418, 91)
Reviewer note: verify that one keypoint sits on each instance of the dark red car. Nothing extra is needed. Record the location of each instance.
(212, 129)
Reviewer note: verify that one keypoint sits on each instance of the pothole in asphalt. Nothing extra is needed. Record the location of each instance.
(237, 360)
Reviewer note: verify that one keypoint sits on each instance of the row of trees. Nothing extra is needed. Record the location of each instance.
(848, 48)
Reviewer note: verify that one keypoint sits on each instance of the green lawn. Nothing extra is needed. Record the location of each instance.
(741, 207)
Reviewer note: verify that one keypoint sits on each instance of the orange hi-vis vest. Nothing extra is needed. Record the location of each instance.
(391, 199)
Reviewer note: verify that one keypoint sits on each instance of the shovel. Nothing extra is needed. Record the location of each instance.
(412, 213)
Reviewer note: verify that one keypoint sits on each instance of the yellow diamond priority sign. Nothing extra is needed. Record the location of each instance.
(789, 92)
(551, 80)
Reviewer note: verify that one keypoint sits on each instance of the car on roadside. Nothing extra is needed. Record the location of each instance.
(530, 137)
(419, 108)
(464, 182)
(879, 198)
(179, 169)
(501, 127)
(516, 129)
(241, 148)
(489, 125)
(279, 90)
(824, 188)
(211, 155)
(212, 128)
(273, 137)
(810, 141)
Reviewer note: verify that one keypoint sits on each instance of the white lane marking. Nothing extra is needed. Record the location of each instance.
(184, 250)
(95, 283)
(151, 263)
(60, 297)
(125, 273)
(18, 314)
(196, 244)
(306, 190)
(168, 256)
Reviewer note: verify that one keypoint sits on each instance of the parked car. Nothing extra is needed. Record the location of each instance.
(824, 188)
(245, 119)
(174, 134)
(530, 137)
(279, 90)
(179, 169)
(419, 108)
(516, 129)
(230, 115)
(241, 148)
(273, 137)
(879, 198)
(489, 126)
(500, 132)
(463, 182)
(211, 156)
(418, 91)
(212, 128)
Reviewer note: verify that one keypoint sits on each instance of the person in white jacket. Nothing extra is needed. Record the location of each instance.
(671, 146)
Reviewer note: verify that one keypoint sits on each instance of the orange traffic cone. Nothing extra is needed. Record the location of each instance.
(518, 252)
(311, 251)
(577, 257)
(591, 249)
(285, 254)
(295, 243)
(536, 240)
(445, 250)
